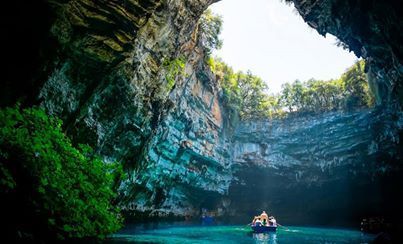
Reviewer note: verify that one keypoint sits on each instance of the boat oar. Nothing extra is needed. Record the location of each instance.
(282, 226)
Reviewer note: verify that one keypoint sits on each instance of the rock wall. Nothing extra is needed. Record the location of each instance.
(187, 159)
(110, 85)
(333, 168)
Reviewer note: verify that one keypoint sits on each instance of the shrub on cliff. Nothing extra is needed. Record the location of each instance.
(210, 26)
(244, 94)
(49, 189)
(173, 68)
(358, 92)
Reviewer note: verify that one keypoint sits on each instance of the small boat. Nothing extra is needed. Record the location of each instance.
(207, 220)
(263, 228)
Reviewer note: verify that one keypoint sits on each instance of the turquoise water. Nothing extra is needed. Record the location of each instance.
(238, 234)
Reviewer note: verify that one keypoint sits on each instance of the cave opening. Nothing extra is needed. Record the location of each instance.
(271, 39)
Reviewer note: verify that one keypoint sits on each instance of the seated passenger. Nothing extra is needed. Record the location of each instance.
(258, 222)
(254, 220)
(272, 221)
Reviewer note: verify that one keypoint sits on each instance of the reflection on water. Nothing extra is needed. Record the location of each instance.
(181, 233)
(265, 238)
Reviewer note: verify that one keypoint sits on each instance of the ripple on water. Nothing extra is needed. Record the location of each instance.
(237, 234)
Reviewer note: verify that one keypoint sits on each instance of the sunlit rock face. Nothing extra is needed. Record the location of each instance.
(333, 168)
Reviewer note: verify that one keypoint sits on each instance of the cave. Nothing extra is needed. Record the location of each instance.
(103, 68)
(26, 25)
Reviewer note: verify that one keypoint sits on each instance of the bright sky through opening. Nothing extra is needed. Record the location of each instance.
(270, 39)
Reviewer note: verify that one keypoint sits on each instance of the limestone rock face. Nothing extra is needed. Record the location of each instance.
(324, 141)
(305, 168)
(109, 87)
(112, 90)
(187, 159)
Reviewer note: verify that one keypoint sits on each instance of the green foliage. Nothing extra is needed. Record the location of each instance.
(349, 92)
(210, 26)
(312, 96)
(173, 69)
(246, 95)
(228, 81)
(49, 188)
(252, 94)
(356, 86)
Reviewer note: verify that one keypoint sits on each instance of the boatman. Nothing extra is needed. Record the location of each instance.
(264, 217)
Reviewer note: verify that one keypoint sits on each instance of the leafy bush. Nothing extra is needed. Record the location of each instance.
(313, 96)
(357, 90)
(210, 26)
(49, 189)
(173, 68)
(244, 95)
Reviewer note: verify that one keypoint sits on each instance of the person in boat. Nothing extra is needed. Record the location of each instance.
(272, 221)
(258, 222)
(264, 217)
(254, 220)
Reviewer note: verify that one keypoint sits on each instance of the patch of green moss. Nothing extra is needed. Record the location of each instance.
(173, 68)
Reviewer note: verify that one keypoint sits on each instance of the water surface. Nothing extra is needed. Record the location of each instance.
(235, 234)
